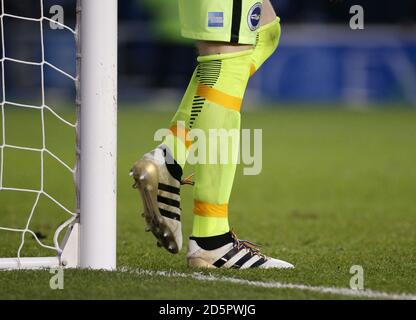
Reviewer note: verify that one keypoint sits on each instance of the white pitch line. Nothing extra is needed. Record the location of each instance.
(367, 293)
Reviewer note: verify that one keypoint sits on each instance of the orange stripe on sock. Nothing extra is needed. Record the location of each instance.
(181, 133)
(205, 209)
(219, 97)
(252, 69)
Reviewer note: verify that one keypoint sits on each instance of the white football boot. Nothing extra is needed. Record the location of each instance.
(158, 180)
(238, 254)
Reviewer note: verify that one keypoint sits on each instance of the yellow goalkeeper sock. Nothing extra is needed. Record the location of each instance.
(222, 83)
(213, 101)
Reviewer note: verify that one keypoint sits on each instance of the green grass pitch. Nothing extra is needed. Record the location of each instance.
(338, 188)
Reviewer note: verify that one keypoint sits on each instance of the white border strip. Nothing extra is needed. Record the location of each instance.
(369, 294)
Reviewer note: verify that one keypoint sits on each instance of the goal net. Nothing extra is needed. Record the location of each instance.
(58, 134)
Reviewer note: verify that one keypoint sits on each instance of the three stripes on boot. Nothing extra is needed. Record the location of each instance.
(240, 262)
(169, 199)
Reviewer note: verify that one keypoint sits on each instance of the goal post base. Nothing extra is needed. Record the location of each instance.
(29, 263)
(70, 247)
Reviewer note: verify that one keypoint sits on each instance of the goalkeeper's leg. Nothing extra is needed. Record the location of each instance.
(212, 244)
(158, 174)
(227, 66)
(213, 101)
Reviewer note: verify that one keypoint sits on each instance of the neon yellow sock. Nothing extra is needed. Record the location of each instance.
(222, 84)
(208, 227)
(212, 101)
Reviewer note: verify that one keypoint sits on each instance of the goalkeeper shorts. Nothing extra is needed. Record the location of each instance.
(233, 21)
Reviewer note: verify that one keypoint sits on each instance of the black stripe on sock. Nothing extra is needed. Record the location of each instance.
(210, 70)
(170, 215)
(220, 262)
(169, 202)
(209, 78)
(258, 263)
(168, 188)
(243, 260)
(236, 21)
(213, 242)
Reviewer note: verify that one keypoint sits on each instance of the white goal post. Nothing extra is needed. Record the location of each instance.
(90, 233)
(98, 134)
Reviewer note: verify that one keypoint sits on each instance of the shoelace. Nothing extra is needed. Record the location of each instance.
(250, 246)
(188, 180)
